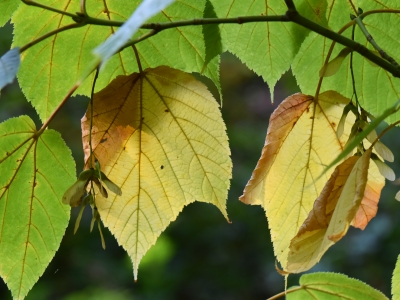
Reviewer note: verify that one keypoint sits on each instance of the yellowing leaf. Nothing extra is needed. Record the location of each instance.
(332, 214)
(301, 141)
(159, 136)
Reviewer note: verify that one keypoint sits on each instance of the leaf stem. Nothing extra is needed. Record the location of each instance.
(329, 54)
(49, 34)
(91, 117)
(384, 132)
(83, 8)
(54, 113)
(284, 293)
(352, 70)
(137, 59)
(61, 12)
(373, 43)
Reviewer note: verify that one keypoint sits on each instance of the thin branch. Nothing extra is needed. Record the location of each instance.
(71, 91)
(61, 12)
(49, 34)
(206, 21)
(384, 132)
(373, 43)
(304, 22)
(284, 293)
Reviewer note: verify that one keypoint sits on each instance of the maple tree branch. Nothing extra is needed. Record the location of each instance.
(61, 12)
(373, 43)
(295, 17)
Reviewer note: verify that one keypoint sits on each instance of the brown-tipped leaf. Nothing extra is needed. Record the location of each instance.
(332, 214)
(300, 142)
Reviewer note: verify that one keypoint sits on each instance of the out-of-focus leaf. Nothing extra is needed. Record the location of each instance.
(165, 145)
(143, 12)
(385, 170)
(332, 213)
(332, 286)
(301, 141)
(35, 172)
(396, 281)
(384, 151)
(9, 65)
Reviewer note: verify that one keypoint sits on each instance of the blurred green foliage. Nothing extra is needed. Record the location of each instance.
(200, 255)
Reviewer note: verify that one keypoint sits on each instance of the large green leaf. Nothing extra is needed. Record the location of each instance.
(7, 8)
(35, 172)
(332, 286)
(376, 88)
(49, 69)
(396, 281)
(266, 48)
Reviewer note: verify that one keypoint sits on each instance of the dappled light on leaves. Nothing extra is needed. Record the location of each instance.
(35, 172)
(159, 136)
(332, 213)
(301, 141)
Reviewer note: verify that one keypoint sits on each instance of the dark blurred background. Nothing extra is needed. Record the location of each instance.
(201, 256)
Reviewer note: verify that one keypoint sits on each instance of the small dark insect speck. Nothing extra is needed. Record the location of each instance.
(167, 110)
(103, 140)
(162, 167)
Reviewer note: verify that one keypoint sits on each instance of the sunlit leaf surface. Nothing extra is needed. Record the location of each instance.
(333, 286)
(35, 172)
(301, 141)
(161, 138)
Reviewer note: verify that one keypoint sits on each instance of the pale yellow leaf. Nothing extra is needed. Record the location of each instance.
(315, 237)
(301, 141)
(160, 137)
